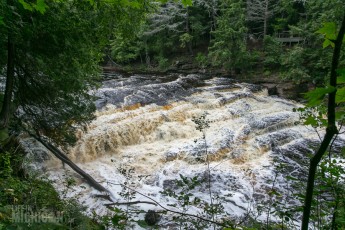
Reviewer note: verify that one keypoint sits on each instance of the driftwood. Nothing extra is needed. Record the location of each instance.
(130, 203)
(59, 154)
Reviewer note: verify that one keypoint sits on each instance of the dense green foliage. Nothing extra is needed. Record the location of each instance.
(334, 37)
(228, 47)
(22, 188)
(51, 53)
(55, 61)
(237, 35)
(55, 72)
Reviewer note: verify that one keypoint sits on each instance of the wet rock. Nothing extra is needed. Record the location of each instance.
(170, 185)
(227, 81)
(243, 132)
(303, 147)
(296, 156)
(111, 75)
(145, 90)
(218, 179)
(271, 89)
(291, 91)
(191, 80)
(235, 204)
(236, 153)
(170, 156)
(233, 97)
(35, 151)
(259, 197)
(222, 87)
(253, 88)
(277, 138)
(239, 108)
(152, 217)
(40, 155)
(228, 138)
(270, 121)
(338, 145)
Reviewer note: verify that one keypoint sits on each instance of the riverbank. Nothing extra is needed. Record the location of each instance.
(272, 80)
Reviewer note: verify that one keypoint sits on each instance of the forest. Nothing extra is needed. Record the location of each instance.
(165, 91)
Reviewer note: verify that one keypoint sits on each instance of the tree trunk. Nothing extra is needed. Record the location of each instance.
(330, 131)
(7, 101)
(266, 16)
(147, 55)
(213, 19)
(189, 43)
(60, 155)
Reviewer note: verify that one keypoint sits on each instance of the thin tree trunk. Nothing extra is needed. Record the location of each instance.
(189, 43)
(266, 16)
(7, 102)
(60, 155)
(334, 217)
(330, 131)
(147, 56)
(213, 17)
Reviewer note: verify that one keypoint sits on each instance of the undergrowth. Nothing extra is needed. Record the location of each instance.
(29, 202)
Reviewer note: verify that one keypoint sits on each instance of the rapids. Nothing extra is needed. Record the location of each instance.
(145, 124)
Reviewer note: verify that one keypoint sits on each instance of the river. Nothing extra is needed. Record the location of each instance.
(145, 135)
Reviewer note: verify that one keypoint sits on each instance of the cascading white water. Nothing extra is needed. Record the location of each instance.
(145, 123)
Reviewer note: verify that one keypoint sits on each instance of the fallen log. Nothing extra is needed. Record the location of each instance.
(130, 203)
(60, 155)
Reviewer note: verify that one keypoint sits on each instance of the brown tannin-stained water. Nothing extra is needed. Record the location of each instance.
(145, 123)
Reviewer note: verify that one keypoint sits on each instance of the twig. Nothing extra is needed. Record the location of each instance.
(169, 210)
(209, 175)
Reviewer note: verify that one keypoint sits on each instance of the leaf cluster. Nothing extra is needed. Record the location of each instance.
(18, 188)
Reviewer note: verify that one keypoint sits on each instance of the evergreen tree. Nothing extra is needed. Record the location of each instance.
(308, 61)
(259, 12)
(169, 28)
(228, 48)
(52, 52)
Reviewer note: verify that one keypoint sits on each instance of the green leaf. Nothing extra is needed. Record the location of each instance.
(291, 178)
(339, 115)
(1, 21)
(135, 5)
(184, 2)
(341, 76)
(41, 6)
(316, 96)
(329, 30)
(311, 121)
(142, 223)
(340, 96)
(341, 80)
(327, 43)
(343, 152)
(187, 2)
(26, 6)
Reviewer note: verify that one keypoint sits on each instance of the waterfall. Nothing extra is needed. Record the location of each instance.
(146, 123)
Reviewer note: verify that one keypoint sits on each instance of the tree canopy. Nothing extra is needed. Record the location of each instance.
(51, 53)
(50, 58)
